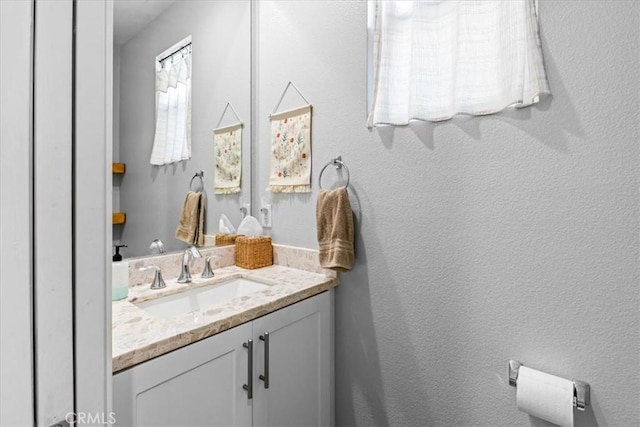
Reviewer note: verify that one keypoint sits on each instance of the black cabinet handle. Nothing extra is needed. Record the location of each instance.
(249, 387)
(265, 377)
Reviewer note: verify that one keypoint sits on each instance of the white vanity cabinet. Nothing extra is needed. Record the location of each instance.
(208, 382)
(297, 388)
(197, 385)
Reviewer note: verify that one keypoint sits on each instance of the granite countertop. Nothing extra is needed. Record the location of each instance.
(138, 336)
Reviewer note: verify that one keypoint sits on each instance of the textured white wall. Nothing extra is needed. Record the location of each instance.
(478, 239)
(152, 196)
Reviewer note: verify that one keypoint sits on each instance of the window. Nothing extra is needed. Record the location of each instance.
(172, 141)
(435, 59)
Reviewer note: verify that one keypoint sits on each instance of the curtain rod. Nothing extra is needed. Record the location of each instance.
(174, 52)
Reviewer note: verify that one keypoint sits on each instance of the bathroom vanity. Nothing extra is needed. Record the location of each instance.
(262, 358)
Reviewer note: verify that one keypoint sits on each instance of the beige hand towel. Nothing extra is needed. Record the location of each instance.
(335, 229)
(191, 227)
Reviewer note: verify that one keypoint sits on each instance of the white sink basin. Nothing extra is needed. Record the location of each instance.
(201, 297)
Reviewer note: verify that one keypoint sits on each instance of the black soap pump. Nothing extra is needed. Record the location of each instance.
(117, 256)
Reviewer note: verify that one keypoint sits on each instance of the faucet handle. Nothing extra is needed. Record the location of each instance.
(208, 272)
(158, 282)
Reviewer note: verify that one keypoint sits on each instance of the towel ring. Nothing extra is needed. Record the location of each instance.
(198, 175)
(339, 164)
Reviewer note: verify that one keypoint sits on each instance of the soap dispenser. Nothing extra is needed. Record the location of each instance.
(117, 256)
(119, 276)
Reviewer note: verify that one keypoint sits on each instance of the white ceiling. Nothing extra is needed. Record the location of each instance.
(132, 16)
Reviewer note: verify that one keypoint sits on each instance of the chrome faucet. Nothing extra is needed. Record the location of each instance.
(190, 253)
(157, 247)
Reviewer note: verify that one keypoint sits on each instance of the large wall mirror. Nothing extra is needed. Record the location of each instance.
(152, 196)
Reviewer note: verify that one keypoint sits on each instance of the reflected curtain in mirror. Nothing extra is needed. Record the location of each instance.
(172, 141)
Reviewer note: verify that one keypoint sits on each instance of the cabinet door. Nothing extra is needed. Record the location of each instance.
(198, 385)
(300, 368)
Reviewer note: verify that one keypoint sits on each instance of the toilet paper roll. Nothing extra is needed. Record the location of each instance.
(545, 396)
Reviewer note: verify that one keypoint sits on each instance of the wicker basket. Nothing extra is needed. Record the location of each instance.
(254, 252)
(225, 239)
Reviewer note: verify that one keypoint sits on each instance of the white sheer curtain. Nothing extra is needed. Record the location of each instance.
(172, 141)
(434, 59)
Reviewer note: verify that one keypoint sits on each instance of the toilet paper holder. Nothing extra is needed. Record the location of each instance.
(581, 389)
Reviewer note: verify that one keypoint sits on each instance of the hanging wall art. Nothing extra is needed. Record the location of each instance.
(290, 170)
(227, 142)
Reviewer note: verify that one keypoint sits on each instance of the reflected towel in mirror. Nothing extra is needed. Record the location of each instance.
(191, 227)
